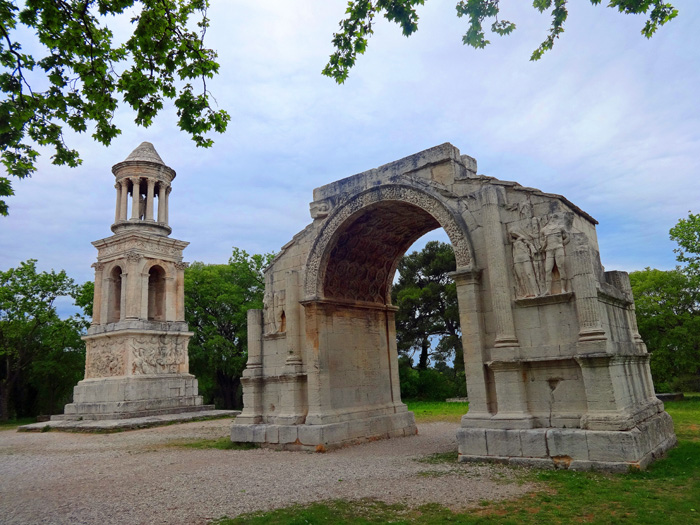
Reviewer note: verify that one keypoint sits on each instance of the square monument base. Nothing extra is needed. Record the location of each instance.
(327, 436)
(571, 448)
(134, 396)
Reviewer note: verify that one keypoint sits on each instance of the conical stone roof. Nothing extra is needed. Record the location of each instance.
(145, 152)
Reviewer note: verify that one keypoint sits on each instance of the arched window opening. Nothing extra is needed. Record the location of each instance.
(156, 294)
(115, 295)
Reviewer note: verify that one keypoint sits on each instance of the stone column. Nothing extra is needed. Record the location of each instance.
(480, 404)
(118, 208)
(135, 196)
(124, 199)
(97, 297)
(149, 199)
(167, 199)
(161, 202)
(499, 283)
(252, 379)
(586, 292)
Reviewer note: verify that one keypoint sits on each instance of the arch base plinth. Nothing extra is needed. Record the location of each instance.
(321, 438)
(570, 448)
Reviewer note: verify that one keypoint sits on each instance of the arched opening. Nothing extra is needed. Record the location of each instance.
(114, 297)
(367, 249)
(360, 266)
(156, 294)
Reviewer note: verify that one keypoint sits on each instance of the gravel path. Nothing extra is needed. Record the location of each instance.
(136, 477)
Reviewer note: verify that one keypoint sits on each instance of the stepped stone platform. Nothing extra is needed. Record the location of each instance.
(132, 423)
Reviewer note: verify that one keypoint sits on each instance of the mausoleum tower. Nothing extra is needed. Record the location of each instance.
(136, 348)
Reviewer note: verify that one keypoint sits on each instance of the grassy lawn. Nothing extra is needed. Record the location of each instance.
(667, 493)
(429, 411)
(14, 423)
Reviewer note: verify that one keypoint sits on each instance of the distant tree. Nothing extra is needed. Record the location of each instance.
(427, 302)
(668, 311)
(687, 234)
(668, 315)
(77, 70)
(217, 299)
(356, 28)
(41, 355)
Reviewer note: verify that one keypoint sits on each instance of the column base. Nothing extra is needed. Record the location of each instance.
(327, 436)
(575, 449)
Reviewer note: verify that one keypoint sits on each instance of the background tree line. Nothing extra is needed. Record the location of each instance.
(42, 356)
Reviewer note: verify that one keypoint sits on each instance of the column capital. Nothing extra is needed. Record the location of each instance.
(465, 276)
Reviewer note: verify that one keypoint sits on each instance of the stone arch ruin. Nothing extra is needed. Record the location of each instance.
(556, 370)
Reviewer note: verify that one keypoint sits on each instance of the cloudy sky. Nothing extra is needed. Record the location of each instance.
(608, 118)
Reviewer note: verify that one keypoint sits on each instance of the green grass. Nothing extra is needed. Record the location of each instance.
(223, 443)
(430, 411)
(667, 493)
(686, 417)
(14, 423)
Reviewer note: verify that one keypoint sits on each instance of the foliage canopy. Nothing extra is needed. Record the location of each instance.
(668, 312)
(357, 26)
(74, 71)
(41, 355)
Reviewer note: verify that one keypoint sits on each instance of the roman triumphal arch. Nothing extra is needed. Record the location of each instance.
(556, 370)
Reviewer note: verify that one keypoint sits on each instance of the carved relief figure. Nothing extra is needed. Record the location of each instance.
(156, 355)
(319, 210)
(273, 305)
(524, 255)
(555, 236)
(538, 246)
(269, 308)
(106, 360)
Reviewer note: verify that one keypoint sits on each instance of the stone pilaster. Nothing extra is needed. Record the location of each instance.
(97, 296)
(468, 283)
(180, 295)
(585, 291)
(499, 283)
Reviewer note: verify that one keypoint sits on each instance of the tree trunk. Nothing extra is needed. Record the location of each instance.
(423, 361)
(228, 389)
(4, 401)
